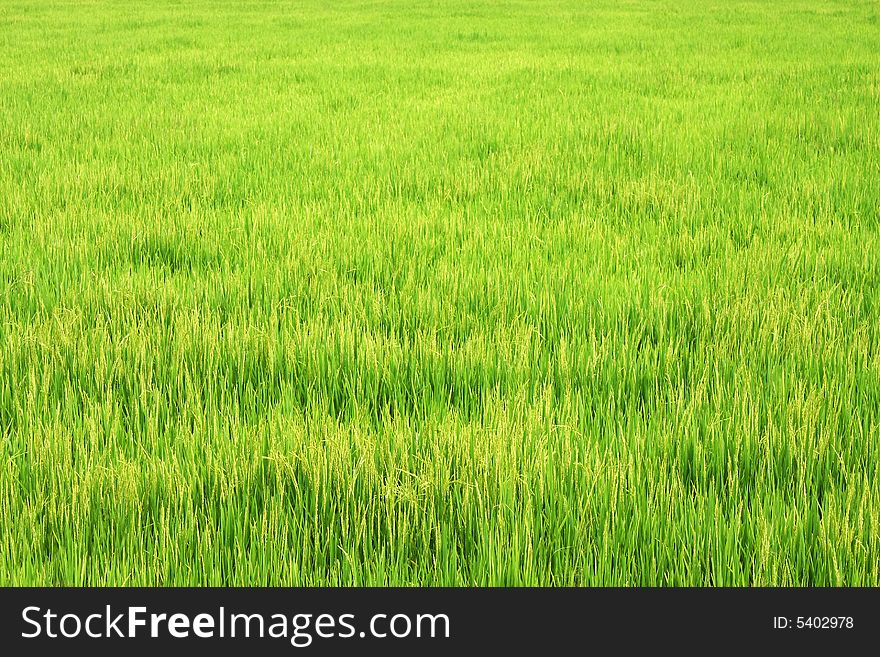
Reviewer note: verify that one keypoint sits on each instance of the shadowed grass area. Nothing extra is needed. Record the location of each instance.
(440, 293)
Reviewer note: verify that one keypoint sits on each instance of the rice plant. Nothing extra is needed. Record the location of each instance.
(440, 292)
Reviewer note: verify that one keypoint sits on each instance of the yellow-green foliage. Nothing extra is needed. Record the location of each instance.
(440, 292)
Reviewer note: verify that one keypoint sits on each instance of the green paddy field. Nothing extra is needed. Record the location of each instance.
(440, 292)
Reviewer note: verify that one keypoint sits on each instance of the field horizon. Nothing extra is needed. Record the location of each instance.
(452, 293)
